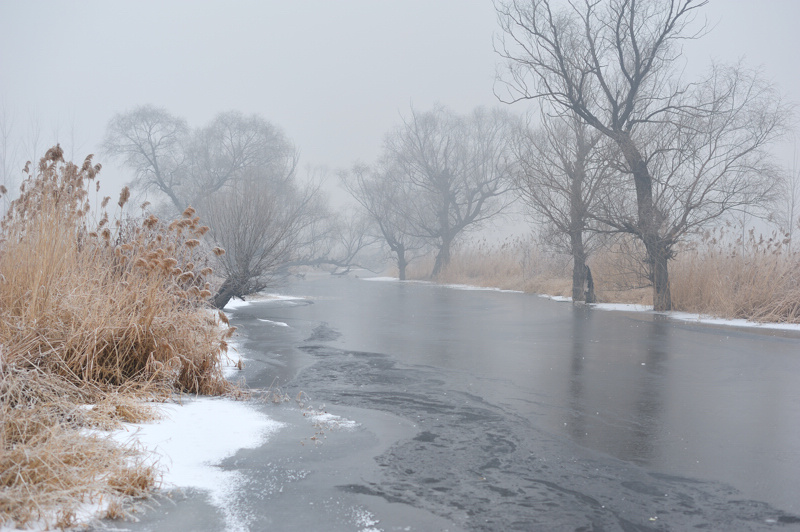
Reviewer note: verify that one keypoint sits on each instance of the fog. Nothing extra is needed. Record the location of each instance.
(334, 75)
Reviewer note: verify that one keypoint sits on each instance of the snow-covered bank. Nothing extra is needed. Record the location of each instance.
(234, 304)
(684, 316)
(194, 437)
(626, 307)
(453, 286)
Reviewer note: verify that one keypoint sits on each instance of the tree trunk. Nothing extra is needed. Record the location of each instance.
(442, 259)
(578, 266)
(589, 294)
(649, 222)
(225, 293)
(401, 262)
(658, 255)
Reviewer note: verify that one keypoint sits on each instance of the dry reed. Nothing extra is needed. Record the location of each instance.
(751, 277)
(94, 310)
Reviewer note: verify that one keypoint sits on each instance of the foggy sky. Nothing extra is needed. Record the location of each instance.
(335, 75)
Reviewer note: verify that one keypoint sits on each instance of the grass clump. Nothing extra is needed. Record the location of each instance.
(98, 316)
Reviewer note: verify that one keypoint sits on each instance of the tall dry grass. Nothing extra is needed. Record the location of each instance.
(513, 264)
(751, 277)
(94, 309)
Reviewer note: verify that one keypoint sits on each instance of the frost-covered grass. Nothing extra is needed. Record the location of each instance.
(100, 317)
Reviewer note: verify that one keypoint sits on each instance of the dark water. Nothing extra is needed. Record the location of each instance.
(500, 411)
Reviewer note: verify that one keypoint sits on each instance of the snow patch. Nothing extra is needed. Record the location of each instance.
(195, 437)
(278, 323)
(560, 299)
(233, 304)
(229, 362)
(327, 421)
(701, 318)
(625, 307)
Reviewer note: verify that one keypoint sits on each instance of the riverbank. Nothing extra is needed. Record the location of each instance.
(754, 278)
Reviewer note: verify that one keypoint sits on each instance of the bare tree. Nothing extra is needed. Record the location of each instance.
(688, 148)
(459, 169)
(260, 231)
(152, 142)
(386, 199)
(560, 177)
(239, 174)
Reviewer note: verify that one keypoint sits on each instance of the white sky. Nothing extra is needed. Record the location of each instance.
(335, 75)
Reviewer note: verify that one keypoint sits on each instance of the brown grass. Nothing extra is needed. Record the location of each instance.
(754, 277)
(98, 311)
(751, 277)
(514, 264)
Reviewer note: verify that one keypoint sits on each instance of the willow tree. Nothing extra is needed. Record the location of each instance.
(691, 150)
(562, 173)
(458, 169)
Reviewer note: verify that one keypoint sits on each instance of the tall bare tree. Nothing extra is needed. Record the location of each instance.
(561, 176)
(459, 167)
(687, 148)
(386, 199)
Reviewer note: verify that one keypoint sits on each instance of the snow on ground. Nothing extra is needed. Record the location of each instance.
(629, 307)
(560, 299)
(278, 323)
(700, 318)
(326, 421)
(234, 304)
(194, 437)
(453, 286)
(230, 362)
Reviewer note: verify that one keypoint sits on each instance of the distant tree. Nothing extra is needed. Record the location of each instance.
(458, 168)
(691, 151)
(239, 173)
(236, 147)
(561, 175)
(260, 232)
(153, 143)
(386, 200)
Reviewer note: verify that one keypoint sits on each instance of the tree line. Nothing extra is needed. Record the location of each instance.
(618, 143)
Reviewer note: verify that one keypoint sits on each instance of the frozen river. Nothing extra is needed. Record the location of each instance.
(485, 410)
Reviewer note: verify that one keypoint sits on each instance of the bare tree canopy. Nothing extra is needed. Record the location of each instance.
(689, 151)
(235, 147)
(459, 167)
(152, 143)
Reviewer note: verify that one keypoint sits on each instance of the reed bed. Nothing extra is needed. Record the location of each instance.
(513, 264)
(754, 277)
(751, 276)
(99, 316)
